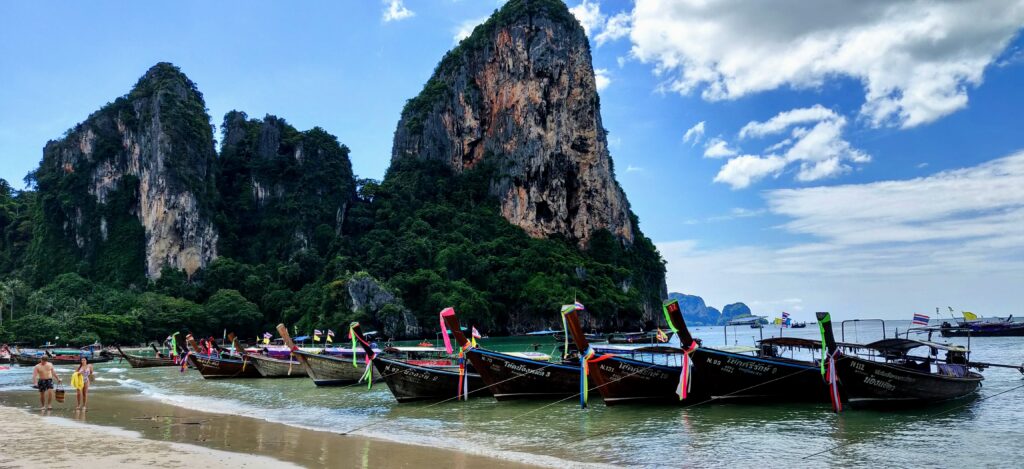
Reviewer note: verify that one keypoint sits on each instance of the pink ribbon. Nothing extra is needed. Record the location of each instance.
(444, 329)
(833, 382)
(684, 372)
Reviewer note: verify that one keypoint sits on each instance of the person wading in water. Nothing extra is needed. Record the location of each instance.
(80, 381)
(43, 375)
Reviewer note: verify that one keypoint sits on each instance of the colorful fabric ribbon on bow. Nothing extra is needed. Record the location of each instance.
(585, 360)
(684, 372)
(463, 389)
(184, 361)
(833, 381)
(444, 329)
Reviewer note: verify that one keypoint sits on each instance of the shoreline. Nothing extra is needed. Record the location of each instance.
(147, 425)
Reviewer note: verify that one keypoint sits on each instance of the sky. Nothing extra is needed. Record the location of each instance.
(864, 158)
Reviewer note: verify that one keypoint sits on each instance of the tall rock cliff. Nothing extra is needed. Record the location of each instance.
(281, 190)
(520, 93)
(129, 189)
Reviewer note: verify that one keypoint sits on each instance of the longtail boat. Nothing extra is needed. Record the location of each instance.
(512, 377)
(270, 367)
(654, 376)
(220, 366)
(883, 373)
(142, 361)
(983, 328)
(59, 357)
(327, 370)
(426, 374)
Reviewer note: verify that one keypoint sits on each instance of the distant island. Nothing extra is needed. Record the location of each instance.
(697, 313)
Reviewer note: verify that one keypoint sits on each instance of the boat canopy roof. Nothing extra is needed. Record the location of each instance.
(904, 345)
(404, 349)
(745, 320)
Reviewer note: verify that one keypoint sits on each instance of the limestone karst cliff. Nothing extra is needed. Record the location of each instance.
(281, 190)
(520, 93)
(147, 157)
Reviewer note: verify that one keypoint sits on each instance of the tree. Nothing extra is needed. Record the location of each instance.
(228, 309)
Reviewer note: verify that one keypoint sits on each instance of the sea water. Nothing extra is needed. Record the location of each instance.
(982, 431)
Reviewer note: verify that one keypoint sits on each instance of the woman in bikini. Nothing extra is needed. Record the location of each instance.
(80, 381)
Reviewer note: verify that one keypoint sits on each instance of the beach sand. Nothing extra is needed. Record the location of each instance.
(123, 429)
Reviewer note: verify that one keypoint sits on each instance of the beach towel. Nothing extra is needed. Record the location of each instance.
(77, 381)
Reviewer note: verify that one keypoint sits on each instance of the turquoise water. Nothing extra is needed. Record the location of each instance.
(984, 431)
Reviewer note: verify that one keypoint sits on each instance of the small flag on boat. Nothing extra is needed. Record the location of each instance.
(662, 336)
(785, 315)
(330, 336)
(969, 316)
(920, 319)
(578, 306)
(266, 338)
(316, 335)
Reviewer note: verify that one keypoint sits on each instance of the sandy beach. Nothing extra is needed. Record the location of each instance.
(123, 429)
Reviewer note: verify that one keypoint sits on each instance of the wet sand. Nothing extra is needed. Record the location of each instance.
(164, 435)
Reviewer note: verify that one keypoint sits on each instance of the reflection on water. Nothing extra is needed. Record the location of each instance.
(980, 431)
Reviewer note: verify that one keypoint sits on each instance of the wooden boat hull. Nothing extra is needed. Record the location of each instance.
(511, 378)
(326, 370)
(31, 360)
(726, 375)
(410, 383)
(623, 380)
(274, 368)
(867, 383)
(223, 368)
(148, 362)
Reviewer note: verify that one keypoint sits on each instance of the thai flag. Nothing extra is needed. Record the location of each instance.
(785, 315)
(267, 335)
(578, 306)
(330, 333)
(317, 332)
(920, 319)
(476, 333)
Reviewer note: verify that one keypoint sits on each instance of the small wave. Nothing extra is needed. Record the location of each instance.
(115, 370)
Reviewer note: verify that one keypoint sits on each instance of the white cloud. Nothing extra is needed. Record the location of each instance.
(785, 120)
(617, 27)
(633, 169)
(815, 145)
(695, 133)
(465, 28)
(717, 148)
(741, 171)
(601, 78)
(589, 15)
(889, 247)
(915, 60)
(396, 11)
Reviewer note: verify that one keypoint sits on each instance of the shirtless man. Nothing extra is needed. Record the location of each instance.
(43, 375)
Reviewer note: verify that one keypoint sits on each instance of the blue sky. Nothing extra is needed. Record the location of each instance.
(858, 157)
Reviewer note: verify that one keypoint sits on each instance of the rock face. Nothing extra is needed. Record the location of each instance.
(695, 312)
(734, 310)
(153, 151)
(369, 297)
(281, 190)
(520, 93)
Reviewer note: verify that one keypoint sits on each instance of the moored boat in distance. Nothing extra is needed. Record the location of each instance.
(983, 328)
(327, 370)
(883, 373)
(143, 361)
(424, 374)
(219, 366)
(515, 376)
(270, 367)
